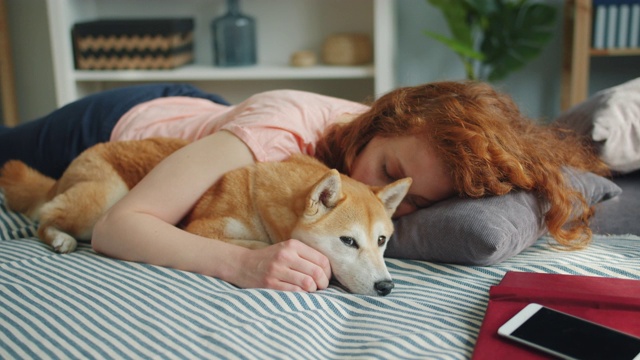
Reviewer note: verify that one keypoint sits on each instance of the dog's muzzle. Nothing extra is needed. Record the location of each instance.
(384, 287)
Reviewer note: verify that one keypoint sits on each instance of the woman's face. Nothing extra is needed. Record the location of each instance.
(384, 160)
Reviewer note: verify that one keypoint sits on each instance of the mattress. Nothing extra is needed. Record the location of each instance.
(85, 305)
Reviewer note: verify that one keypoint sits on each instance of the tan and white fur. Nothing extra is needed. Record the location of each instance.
(263, 204)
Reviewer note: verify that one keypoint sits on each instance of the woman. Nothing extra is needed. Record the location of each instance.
(452, 138)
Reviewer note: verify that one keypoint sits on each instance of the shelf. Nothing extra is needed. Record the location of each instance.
(577, 53)
(305, 26)
(202, 72)
(615, 52)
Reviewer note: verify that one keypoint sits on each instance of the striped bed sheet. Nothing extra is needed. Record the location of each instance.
(87, 306)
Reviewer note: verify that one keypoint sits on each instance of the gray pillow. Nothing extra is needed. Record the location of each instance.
(483, 231)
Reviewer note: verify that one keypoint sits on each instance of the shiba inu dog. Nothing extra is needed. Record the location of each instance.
(300, 198)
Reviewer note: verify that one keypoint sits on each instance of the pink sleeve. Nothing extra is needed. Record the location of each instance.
(277, 124)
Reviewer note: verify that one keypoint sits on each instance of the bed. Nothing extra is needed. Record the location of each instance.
(84, 305)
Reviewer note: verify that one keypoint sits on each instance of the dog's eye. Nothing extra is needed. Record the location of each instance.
(381, 240)
(349, 241)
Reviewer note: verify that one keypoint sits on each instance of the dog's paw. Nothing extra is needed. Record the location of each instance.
(64, 243)
(61, 242)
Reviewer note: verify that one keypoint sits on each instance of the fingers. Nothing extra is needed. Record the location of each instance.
(312, 265)
(288, 266)
(300, 267)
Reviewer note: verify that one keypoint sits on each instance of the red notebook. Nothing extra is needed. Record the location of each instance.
(611, 302)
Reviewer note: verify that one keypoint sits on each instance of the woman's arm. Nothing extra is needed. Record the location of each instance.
(141, 226)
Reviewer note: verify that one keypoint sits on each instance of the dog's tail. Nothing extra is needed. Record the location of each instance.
(25, 189)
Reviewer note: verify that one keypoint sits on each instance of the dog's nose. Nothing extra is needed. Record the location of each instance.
(383, 287)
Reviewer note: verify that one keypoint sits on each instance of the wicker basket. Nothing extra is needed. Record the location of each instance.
(149, 44)
(347, 49)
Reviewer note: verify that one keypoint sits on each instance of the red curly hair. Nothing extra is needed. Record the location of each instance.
(489, 146)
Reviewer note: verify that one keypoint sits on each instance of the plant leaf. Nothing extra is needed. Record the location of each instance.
(455, 13)
(483, 7)
(537, 37)
(538, 14)
(515, 35)
(457, 46)
(526, 53)
(504, 66)
(502, 35)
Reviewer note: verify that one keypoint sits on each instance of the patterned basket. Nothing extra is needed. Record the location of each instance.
(149, 44)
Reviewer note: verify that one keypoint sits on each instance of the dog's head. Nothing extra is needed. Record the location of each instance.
(350, 223)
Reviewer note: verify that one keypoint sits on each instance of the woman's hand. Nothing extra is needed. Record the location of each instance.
(289, 266)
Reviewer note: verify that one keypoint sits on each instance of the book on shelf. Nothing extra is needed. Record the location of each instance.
(611, 302)
(599, 24)
(634, 31)
(616, 24)
(612, 17)
(623, 26)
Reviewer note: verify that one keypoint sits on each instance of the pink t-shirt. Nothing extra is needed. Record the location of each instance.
(273, 124)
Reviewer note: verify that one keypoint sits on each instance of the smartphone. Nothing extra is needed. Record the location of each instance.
(569, 337)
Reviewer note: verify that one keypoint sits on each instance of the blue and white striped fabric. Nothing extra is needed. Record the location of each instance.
(86, 306)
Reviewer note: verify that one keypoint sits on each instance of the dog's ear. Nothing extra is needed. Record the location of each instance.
(325, 194)
(392, 194)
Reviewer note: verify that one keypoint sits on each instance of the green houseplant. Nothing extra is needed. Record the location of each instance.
(495, 37)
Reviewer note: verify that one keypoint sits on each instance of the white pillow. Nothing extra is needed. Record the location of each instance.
(612, 118)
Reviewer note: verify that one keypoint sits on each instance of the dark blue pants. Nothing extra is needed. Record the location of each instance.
(50, 143)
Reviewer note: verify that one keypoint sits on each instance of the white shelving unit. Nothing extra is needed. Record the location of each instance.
(284, 26)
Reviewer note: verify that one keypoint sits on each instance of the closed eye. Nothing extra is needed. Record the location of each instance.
(386, 174)
(417, 202)
(349, 241)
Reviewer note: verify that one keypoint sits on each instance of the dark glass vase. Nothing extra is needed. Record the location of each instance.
(234, 37)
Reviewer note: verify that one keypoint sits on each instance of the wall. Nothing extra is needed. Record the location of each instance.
(31, 57)
(536, 88)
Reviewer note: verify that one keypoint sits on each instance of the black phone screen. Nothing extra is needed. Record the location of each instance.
(575, 337)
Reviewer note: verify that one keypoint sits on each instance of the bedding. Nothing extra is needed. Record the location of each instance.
(611, 118)
(84, 305)
(484, 231)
